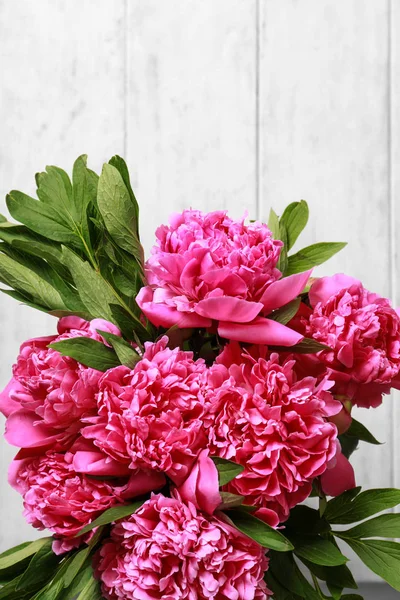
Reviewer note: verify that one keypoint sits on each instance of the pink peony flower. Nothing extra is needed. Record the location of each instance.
(339, 476)
(152, 416)
(363, 331)
(273, 424)
(49, 393)
(58, 499)
(169, 551)
(201, 487)
(207, 267)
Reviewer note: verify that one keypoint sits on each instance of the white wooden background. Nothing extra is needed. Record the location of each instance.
(237, 104)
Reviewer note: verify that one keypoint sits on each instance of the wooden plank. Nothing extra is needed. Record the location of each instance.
(62, 82)
(324, 137)
(191, 107)
(394, 107)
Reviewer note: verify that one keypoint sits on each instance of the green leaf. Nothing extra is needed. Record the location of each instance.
(359, 431)
(259, 531)
(283, 261)
(288, 574)
(337, 505)
(364, 505)
(96, 294)
(312, 256)
(295, 218)
(21, 552)
(126, 354)
(273, 224)
(382, 557)
(51, 591)
(227, 469)
(306, 346)
(27, 281)
(84, 188)
(40, 568)
(286, 313)
(78, 584)
(230, 501)
(384, 526)
(352, 597)
(111, 515)
(121, 166)
(40, 217)
(88, 352)
(335, 591)
(91, 591)
(306, 520)
(339, 575)
(348, 444)
(118, 210)
(318, 550)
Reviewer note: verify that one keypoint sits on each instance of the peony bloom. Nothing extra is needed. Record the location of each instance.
(152, 416)
(275, 425)
(169, 551)
(207, 267)
(339, 476)
(50, 393)
(363, 331)
(58, 499)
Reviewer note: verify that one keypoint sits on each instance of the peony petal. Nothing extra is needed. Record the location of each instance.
(325, 287)
(202, 485)
(283, 291)
(260, 331)
(143, 482)
(96, 463)
(23, 431)
(339, 478)
(7, 404)
(162, 315)
(227, 308)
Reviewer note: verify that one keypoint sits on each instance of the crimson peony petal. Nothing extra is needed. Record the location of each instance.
(22, 430)
(284, 290)
(96, 463)
(339, 478)
(260, 331)
(227, 308)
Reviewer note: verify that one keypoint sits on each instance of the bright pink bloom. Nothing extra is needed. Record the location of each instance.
(363, 331)
(201, 488)
(339, 476)
(273, 424)
(152, 416)
(58, 499)
(49, 393)
(169, 551)
(207, 267)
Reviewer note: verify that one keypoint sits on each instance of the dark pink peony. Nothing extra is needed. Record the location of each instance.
(273, 424)
(363, 331)
(207, 267)
(49, 393)
(152, 416)
(57, 498)
(169, 551)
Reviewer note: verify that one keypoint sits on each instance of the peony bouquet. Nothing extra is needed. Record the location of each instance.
(186, 407)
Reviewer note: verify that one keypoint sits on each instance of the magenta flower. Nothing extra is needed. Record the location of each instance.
(273, 424)
(363, 331)
(49, 393)
(208, 268)
(152, 416)
(58, 499)
(169, 551)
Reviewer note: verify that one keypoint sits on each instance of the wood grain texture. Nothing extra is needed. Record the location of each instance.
(191, 107)
(324, 137)
(394, 207)
(62, 84)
